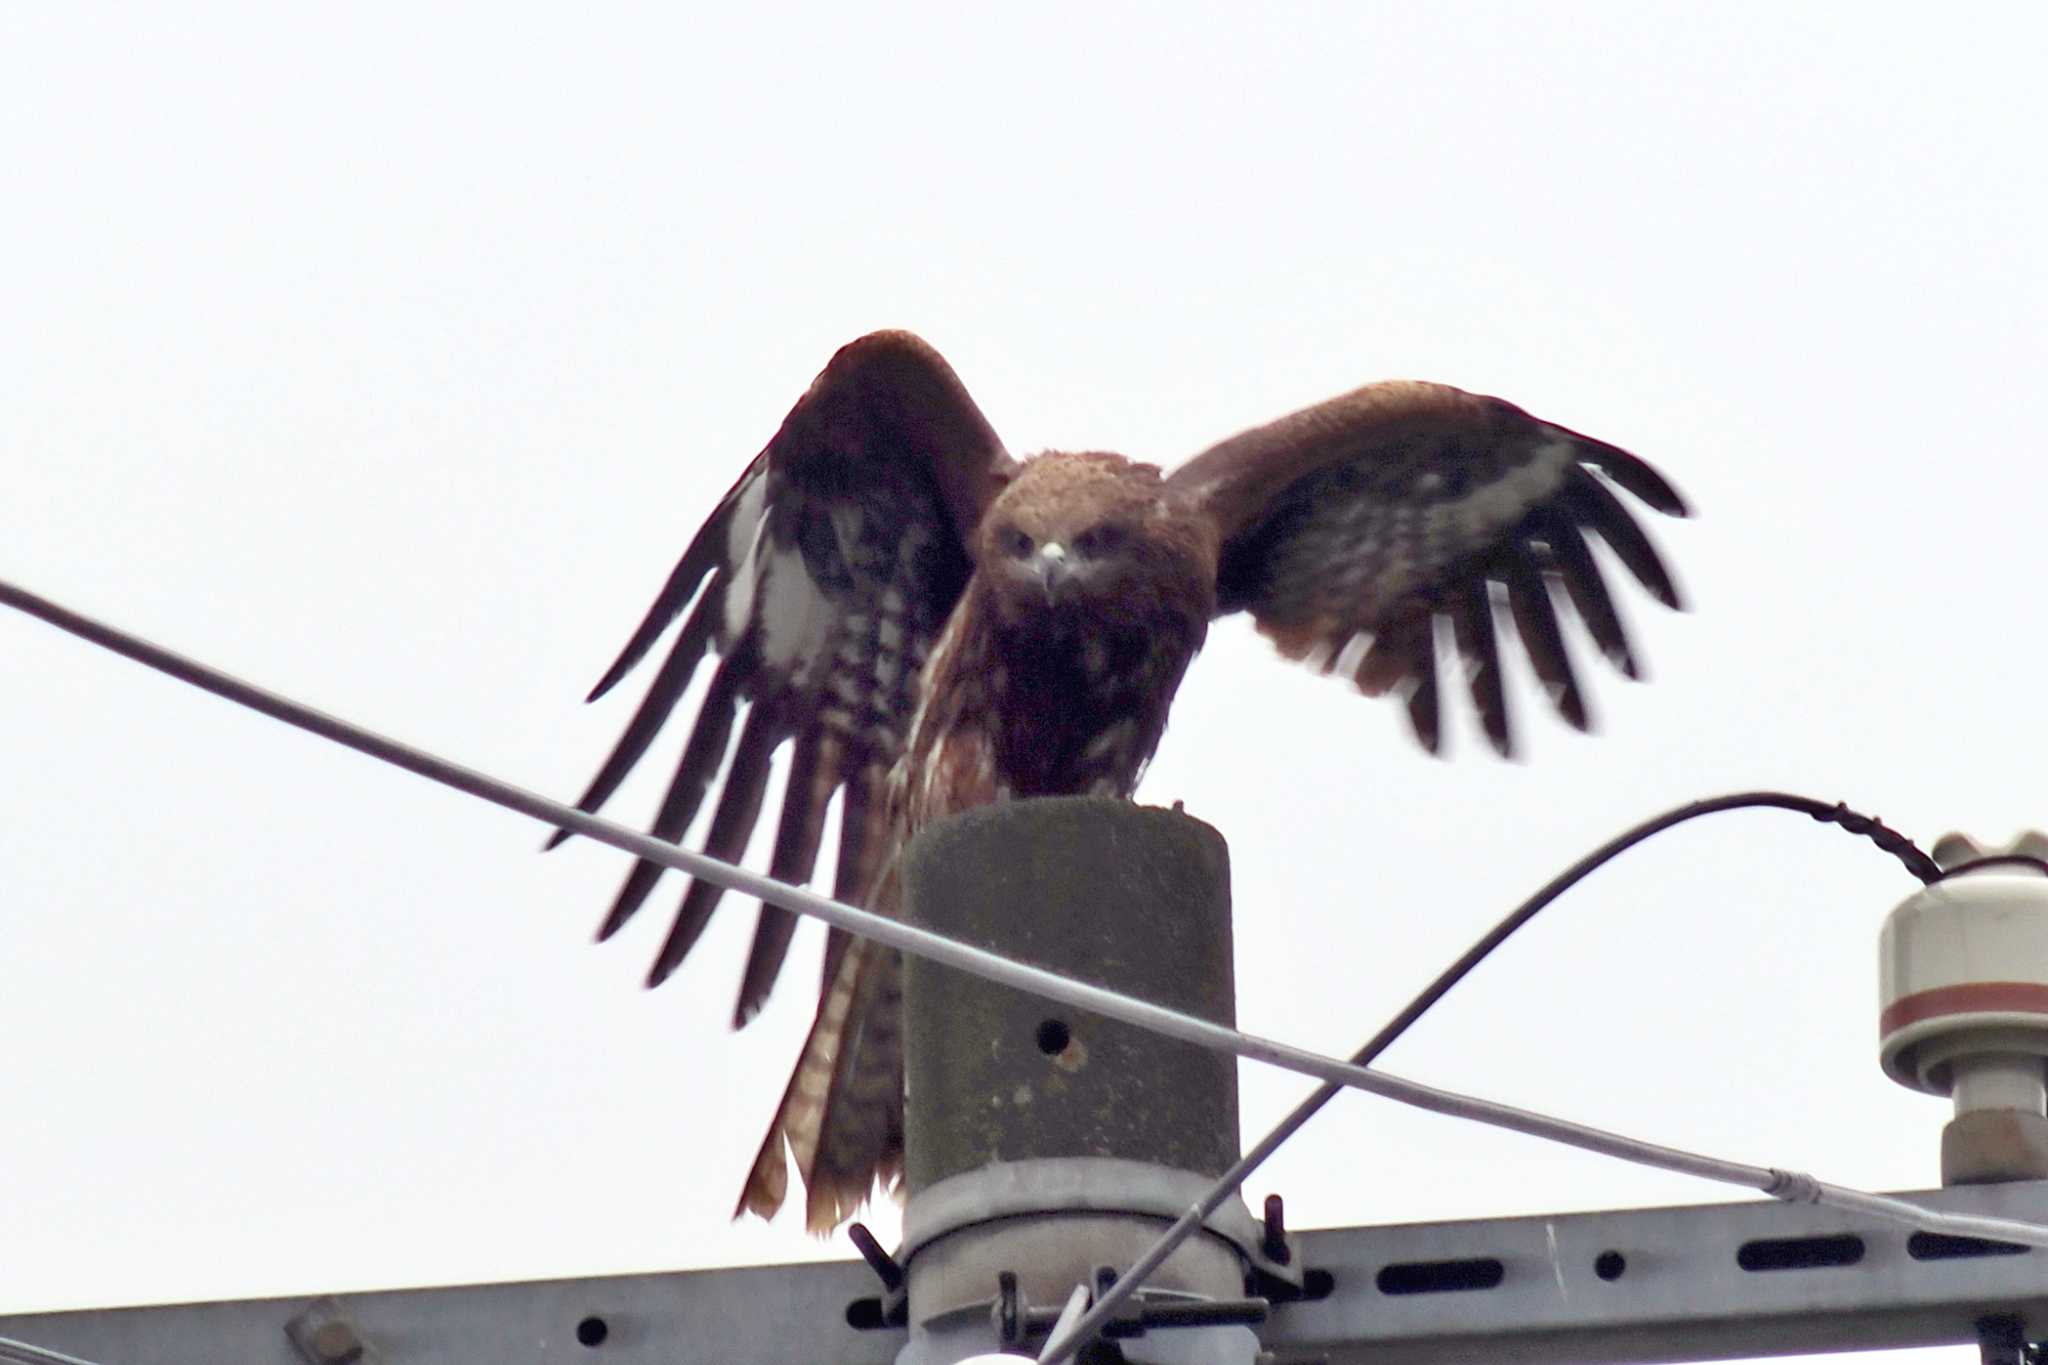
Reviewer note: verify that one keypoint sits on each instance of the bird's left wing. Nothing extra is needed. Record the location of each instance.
(821, 582)
(1349, 528)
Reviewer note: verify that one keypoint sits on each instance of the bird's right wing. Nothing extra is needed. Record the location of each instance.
(821, 582)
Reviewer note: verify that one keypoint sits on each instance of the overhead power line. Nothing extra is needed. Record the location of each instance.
(1789, 1185)
(14, 1352)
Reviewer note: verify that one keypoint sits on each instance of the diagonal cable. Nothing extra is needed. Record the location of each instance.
(14, 1352)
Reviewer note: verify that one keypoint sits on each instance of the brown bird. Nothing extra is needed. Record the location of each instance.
(932, 625)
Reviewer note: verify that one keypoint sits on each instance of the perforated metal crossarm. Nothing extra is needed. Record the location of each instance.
(1698, 1283)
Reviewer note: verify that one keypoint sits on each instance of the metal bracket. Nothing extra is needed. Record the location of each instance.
(1017, 1320)
(1099, 1184)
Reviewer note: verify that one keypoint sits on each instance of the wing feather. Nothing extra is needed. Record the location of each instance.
(1424, 717)
(1479, 650)
(796, 852)
(1537, 624)
(700, 762)
(670, 682)
(739, 808)
(1602, 512)
(1587, 588)
(821, 582)
(702, 556)
(1395, 656)
(1381, 510)
(1632, 473)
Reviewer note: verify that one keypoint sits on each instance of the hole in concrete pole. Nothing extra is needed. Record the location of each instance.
(1610, 1265)
(1053, 1036)
(592, 1331)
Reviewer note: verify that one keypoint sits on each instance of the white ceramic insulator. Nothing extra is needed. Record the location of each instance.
(1963, 993)
(1999, 1080)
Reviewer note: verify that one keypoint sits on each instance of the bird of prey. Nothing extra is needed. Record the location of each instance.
(932, 625)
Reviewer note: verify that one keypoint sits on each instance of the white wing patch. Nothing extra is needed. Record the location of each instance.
(795, 617)
(742, 555)
(1501, 503)
(769, 589)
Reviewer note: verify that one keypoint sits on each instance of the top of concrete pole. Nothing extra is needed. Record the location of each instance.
(1132, 897)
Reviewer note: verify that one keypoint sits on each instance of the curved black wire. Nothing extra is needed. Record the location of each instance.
(1995, 860)
(1867, 826)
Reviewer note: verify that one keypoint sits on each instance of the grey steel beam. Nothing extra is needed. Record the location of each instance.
(1706, 1282)
(759, 1315)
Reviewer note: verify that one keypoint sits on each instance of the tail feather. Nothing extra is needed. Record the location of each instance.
(841, 1115)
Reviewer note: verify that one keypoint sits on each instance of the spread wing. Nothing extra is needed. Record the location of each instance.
(1350, 528)
(819, 584)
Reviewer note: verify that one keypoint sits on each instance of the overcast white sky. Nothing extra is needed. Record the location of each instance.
(389, 359)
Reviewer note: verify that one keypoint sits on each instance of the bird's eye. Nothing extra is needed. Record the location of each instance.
(1099, 540)
(1017, 543)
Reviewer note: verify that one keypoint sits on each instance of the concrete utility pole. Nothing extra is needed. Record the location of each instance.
(1045, 1146)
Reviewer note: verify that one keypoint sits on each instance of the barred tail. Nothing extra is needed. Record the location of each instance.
(841, 1115)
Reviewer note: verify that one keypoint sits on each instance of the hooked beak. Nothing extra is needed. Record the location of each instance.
(1052, 569)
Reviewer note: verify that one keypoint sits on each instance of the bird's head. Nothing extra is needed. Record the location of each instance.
(1094, 530)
